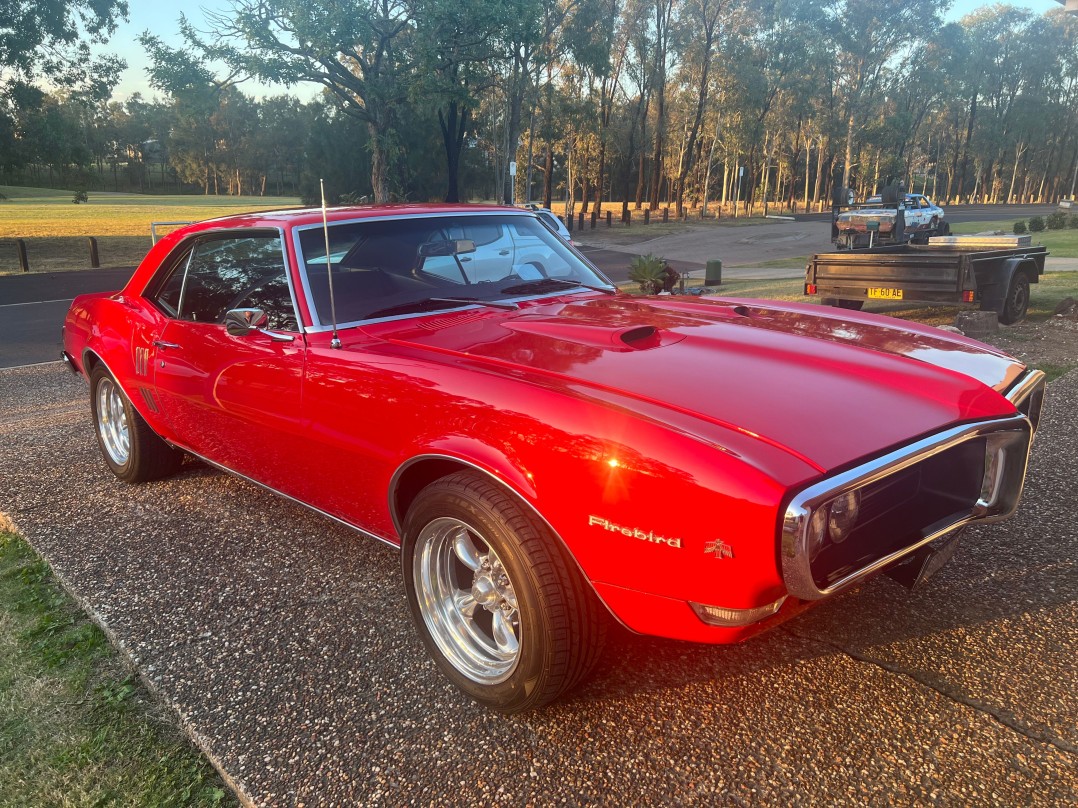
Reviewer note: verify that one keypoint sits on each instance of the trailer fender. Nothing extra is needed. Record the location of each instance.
(1012, 265)
(1016, 274)
(996, 283)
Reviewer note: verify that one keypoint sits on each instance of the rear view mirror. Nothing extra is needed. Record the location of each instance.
(458, 246)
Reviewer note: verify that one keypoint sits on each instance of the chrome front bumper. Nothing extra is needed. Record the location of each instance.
(1011, 437)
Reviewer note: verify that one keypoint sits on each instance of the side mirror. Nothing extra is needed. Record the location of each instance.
(241, 322)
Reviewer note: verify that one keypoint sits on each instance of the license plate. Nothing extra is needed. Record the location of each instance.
(878, 293)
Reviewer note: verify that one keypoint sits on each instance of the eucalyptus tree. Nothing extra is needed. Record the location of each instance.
(456, 42)
(662, 21)
(196, 95)
(51, 41)
(701, 17)
(772, 60)
(637, 72)
(361, 52)
(868, 36)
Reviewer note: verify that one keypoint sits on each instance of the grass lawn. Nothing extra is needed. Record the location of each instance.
(56, 230)
(1060, 243)
(76, 728)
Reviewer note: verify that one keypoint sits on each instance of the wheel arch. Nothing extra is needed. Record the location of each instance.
(91, 359)
(1013, 265)
(415, 474)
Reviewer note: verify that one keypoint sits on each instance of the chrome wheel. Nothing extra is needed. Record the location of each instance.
(467, 601)
(112, 421)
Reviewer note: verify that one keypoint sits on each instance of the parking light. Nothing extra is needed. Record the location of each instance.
(722, 616)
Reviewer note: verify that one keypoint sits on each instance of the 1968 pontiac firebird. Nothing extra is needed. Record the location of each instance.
(546, 452)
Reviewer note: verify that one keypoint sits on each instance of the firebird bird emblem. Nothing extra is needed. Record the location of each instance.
(633, 532)
(719, 548)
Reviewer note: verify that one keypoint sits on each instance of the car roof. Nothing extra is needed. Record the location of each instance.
(298, 217)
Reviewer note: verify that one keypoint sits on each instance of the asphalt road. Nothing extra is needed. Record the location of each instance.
(32, 309)
(283, 643)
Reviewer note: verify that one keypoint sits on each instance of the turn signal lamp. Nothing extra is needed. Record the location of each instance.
(967, 297)
(721, 616)
(810, 289)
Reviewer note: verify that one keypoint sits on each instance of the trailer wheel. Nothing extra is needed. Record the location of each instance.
(1017, 300)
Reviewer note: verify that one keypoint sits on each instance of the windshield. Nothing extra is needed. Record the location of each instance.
(387, 267)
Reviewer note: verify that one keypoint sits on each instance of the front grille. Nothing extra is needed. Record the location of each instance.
(909, 497)
(904, 508)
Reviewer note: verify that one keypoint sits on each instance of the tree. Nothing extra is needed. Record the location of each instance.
(48, 40)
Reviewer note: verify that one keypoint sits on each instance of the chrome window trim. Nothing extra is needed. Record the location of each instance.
(313, 311)
(794, 551)
(245, 232)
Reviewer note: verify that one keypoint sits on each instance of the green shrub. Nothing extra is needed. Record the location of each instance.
(1036, 224)
(1057, 220)
(647, 270)
(1020, 228)
(1072, 221)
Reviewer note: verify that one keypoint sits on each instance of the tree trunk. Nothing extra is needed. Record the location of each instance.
(453, 125)
(965, 146)
(379, 170)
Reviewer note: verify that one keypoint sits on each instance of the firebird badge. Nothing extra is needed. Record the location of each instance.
(719, 548)
(633, 532)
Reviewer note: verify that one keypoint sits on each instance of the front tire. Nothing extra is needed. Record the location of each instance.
(131, 449)
(498, 605)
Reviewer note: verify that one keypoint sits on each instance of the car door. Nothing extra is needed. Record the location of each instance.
(234, 400)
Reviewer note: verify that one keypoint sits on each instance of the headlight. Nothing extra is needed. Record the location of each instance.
(833, 520)
(842, 515)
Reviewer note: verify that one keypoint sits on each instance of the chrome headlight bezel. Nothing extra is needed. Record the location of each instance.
(804, 532)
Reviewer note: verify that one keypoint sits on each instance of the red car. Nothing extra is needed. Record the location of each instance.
(459, 382)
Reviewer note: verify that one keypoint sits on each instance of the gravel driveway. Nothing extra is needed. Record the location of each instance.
(283, 643)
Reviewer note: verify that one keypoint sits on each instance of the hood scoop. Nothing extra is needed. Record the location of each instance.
(619, 339)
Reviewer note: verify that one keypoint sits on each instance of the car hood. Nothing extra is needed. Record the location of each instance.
(829, 386)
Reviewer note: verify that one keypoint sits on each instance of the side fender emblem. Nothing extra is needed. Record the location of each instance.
(719, 549)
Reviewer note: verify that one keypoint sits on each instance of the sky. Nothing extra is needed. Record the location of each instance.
(161, 19)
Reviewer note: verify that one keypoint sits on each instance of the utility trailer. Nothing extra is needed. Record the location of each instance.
(991, 273)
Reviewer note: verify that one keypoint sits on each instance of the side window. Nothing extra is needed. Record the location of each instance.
(220, 274)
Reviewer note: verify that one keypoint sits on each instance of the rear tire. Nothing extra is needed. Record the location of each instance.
(131, 449)
(1016, 302)
(505, 614)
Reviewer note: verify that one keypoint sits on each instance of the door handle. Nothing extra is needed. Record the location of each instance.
(160, 343)
(503, 252)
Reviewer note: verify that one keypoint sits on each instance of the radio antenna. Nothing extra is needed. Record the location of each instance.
(336, 341)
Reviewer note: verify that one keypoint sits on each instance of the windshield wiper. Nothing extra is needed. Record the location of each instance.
(494, 304)
(426, 302)
(539, 284)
